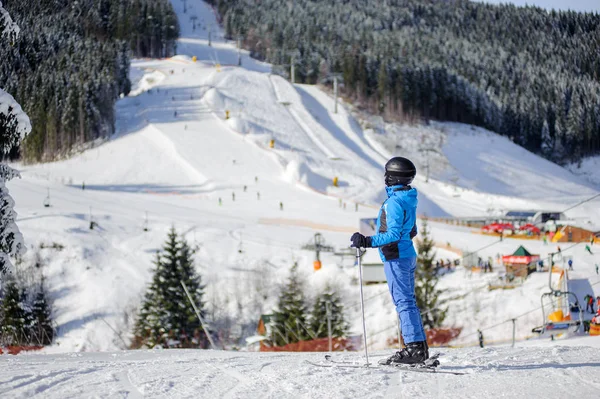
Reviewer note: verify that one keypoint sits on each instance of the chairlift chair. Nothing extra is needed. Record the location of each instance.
(47, 200)
(554, 295)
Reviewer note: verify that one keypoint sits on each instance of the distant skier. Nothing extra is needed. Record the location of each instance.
(233, 197)
(396, 226)
(587, 248)
(597, 268)
(220, 201)
(589, 303)
(281, 206)
(480, 337)
(570, 262)
(258, 195)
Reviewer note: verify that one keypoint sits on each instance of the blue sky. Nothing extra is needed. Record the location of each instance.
(575, 5)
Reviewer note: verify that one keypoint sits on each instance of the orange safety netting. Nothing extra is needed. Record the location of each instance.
(16, 349)
(315, 345)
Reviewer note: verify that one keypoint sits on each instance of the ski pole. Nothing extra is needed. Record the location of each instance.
(212, 344)
(362, 304)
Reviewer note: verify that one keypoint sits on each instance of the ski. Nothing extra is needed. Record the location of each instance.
(429, 366)
(431, 362)
(416, 369)
(422, 369)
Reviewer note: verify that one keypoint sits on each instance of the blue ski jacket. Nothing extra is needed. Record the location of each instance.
(397, 217)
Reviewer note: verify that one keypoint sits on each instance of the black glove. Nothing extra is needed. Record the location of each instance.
(360, 241)
(413, 232)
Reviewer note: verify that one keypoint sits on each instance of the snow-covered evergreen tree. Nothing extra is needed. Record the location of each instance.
(25, 311)
(318, 317)
(289, 321)
(123, 81)
(166, 316)
(426, 280)
(42, 331)
(8, 28)
(14, 125)
(547, 141)
(15, 314)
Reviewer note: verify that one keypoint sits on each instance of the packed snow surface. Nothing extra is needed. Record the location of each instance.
(532, 372)
(587, 168)
(193, 151)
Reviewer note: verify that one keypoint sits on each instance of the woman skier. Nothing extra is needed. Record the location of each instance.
(396, 226)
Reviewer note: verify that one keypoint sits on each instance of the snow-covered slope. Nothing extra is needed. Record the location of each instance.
(588, 168)
(249, 208)
(532, 372)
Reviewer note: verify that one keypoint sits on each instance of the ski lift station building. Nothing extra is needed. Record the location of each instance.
(534, 217)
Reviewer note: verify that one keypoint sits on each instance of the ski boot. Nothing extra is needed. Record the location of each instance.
(414, 353)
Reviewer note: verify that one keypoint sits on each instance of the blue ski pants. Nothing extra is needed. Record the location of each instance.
(400, 275)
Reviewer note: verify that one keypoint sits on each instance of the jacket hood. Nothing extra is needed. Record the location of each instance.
(409, 197)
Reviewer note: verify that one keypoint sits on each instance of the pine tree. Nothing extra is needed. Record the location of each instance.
(425, 281)
(166, 316)
(42, 331)
(123, 82)
(289, 320)
(14, 314)
(149, 330)
(14, 125)
(318, 317)
(547, 142)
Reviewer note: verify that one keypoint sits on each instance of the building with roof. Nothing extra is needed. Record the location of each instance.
(534, 217)
(521, 263)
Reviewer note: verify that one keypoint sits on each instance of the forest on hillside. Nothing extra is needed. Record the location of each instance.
(70, 64)
(524, 72)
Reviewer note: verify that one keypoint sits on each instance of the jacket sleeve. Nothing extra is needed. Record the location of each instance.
(394, 218)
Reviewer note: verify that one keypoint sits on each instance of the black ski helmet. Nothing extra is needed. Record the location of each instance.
(399, 170)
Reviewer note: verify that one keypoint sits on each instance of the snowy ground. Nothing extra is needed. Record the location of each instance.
(587, 168)
(532, 372)
(175, 155)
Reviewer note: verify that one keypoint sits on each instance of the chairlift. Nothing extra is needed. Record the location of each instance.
(146, 222)
(47, 200)
(559, 318)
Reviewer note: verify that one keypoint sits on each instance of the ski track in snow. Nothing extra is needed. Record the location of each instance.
(542, 371)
